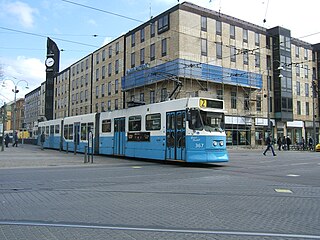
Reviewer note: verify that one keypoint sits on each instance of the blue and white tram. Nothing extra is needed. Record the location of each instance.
(52, 130)
(188, 129)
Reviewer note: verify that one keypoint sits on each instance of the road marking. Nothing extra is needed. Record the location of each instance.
(281, 190)
(293, 175)
(136, 167)
(256, 234)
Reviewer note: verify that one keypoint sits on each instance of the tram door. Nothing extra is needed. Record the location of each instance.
(119, 136)
(76, 136)
(175, 135)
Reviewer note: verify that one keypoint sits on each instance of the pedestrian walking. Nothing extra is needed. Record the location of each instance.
(310, 143)
(15, 139)
(288, 140)
(7, 140)
(284, 143)
(42, 140)
(269, 146)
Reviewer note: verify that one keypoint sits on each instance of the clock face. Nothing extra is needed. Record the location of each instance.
(49, 62)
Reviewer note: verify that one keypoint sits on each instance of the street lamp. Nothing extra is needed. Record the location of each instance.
(15, 90)
(314, 93)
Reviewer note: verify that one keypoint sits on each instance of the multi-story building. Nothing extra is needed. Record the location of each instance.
(266, 77)
(32, 109)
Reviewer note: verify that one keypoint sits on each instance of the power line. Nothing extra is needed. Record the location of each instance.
(43, 36)
(104, 11)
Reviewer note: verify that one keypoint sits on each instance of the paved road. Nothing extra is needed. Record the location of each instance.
(53, 195)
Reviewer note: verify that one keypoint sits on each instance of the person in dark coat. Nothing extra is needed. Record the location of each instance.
(42, 140)
(284, 143)
(7, 140)
(279, 142)
(288, 143)
(15, 139)
(269, 146)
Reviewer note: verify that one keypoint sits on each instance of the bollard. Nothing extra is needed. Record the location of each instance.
(85, 154)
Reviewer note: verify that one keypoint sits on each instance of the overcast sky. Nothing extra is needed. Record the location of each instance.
(25, 25)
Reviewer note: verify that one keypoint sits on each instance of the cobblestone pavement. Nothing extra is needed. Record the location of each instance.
(54, 195)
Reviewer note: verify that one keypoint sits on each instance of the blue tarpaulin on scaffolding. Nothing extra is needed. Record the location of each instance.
(181, 68)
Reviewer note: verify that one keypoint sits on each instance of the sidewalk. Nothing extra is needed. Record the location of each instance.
(26, 155)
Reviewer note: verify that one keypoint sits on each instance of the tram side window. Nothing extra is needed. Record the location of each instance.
(70, 131)
(153, 122)
(135, 123)
(47, 130)
(65, 131)
(57, 129)
(194, 121)
(106, 125)
(83, 131)
(90, 127)
(51, 129)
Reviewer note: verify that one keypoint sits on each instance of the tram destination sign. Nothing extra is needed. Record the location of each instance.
(209, 103)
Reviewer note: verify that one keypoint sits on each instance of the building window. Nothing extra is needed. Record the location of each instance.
(164, 94)
(298, 107)
(142, 36)
(218, 27)
(133, 39)
(141, 97)
(297, 70)
(97, 74)
(97, 58)
(297, 51)
(234, 100)
(305, 54)
(306, 73)
(97, 107)
(219, 50)
(258, 98)
(103, 55)
(133, 59)
(117, 47)
(204, 50)
(152, 52)
(97, 91)
(233, 54)
(257, 59)
(142, 56)
(306, 86)
(257, 39)
(298, 88)
(307, 109)
(102, 90)
(152, 29)
(245, 35)
(116, 86)
(245, 57)
(110, 51)
(109, 88)
(109, 105)
(109, 69)
(103, 72)
(102, 107)
(116, 104)
(163, 47)
(163, 24)
(232, 31)
(116, 67)
(203, 23)
(152, 97)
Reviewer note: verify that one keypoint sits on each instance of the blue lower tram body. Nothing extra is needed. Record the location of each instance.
(198, 149)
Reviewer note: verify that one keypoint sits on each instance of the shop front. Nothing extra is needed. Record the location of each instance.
(238, 130)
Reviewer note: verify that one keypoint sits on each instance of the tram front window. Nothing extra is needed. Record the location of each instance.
(208, 121)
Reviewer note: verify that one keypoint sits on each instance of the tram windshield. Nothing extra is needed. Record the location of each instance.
(208, 121)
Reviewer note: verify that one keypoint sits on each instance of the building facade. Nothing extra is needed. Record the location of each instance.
(268, 79)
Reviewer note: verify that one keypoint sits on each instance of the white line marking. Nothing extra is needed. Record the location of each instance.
(293, 175)
(257, 234)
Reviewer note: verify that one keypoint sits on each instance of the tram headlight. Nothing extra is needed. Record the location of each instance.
(221, 143)
(215, 143)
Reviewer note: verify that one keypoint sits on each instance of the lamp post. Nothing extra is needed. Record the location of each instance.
(15, 90)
